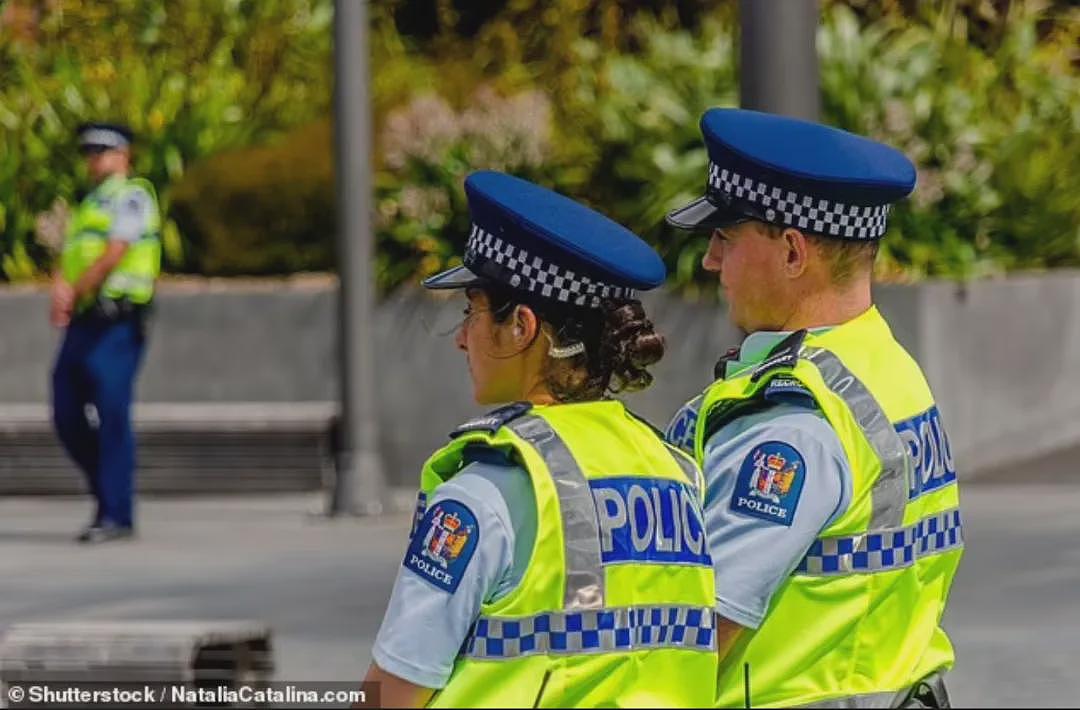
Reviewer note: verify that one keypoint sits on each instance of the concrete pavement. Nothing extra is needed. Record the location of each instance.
(322, 584)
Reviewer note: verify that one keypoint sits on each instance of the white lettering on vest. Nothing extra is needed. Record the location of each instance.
(928, 447)
(694, 543)
(612, 512)
(664, 544)
(641, 538)
(643, 519)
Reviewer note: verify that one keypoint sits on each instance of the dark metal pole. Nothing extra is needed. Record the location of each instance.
(778, 64)
(360, 483)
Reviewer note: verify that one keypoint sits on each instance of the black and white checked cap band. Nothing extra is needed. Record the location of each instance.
(493, 257)
(790, 209)
(102, 137)
(544, 244)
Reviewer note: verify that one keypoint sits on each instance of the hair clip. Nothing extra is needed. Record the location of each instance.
(565, 351)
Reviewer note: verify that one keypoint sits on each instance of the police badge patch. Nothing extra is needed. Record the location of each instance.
(443, 544)
(770, 482)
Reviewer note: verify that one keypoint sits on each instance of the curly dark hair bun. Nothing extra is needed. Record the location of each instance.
(619, 344)
(628, 345)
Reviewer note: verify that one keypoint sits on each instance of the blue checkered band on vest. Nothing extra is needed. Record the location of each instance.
(812, 214)
(884, 550)
(531, 273)
(593, 631)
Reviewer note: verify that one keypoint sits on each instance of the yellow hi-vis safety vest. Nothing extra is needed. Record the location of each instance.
(858, 620)
(88, 234)
(615, 608)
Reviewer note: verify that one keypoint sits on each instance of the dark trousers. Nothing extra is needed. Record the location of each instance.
(97, 365)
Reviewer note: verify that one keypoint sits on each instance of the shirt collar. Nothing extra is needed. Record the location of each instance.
(756, 346)
(108, 181)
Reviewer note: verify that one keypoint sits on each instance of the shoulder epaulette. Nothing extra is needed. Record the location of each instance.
(784, 355)
(493, 420)
(789, 389)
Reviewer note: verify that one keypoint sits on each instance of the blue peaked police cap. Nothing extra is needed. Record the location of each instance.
(534, 240)
(795, 173)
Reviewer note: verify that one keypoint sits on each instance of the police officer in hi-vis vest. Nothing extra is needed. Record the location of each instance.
(101, 293)
(831, 504)
(558, 554)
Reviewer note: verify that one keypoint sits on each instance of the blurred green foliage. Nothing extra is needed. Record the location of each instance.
(983, 96)
(191, 78)
(599, 99)
(261, 210)
(991, 120)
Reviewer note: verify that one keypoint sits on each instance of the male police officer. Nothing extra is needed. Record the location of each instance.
(101, 294)
(831, 502)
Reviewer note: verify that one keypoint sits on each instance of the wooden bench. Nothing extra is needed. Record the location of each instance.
(120, 652)
(184, 448)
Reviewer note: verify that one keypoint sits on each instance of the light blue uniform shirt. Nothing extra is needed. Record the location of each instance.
(758, 531)
(426, 624)
(130, 211)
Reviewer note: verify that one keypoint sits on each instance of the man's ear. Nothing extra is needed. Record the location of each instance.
(796, 252)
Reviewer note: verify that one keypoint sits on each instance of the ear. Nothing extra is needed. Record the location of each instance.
(796, 252)
(526, 326)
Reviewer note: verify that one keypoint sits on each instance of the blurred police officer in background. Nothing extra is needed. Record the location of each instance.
(558, 556)
(101, 294)
(831, 504)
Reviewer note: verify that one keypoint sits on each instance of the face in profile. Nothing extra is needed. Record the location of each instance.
(495, 363)
(749, 264)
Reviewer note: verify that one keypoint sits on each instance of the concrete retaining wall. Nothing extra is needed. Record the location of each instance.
(1001, 357)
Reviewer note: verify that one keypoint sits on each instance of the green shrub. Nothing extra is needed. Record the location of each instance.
(263, 210)
(599, 100)
(192, 78)
(990, 120)
(990, 128)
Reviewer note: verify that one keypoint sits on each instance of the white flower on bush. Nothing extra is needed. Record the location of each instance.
(507, 132)
(422, 130)
(424, 204)
(496, 132)
(50, 226)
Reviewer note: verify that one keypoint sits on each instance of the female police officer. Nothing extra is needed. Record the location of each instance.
(560, 557)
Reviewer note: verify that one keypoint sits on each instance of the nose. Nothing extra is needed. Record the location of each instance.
(713, 260)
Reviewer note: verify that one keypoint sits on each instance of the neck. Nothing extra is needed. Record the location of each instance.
(534, 364)
(830, 306)
(109, 176)
(540, 395)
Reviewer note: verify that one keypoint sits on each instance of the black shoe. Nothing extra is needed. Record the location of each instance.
(105, 533)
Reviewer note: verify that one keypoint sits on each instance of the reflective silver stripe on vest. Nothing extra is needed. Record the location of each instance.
(884, 550)
(689, 468)
(581, 530)
(889, 494)
(123, 281)
(593, 631)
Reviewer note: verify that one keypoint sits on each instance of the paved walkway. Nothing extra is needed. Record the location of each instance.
(322, 584)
